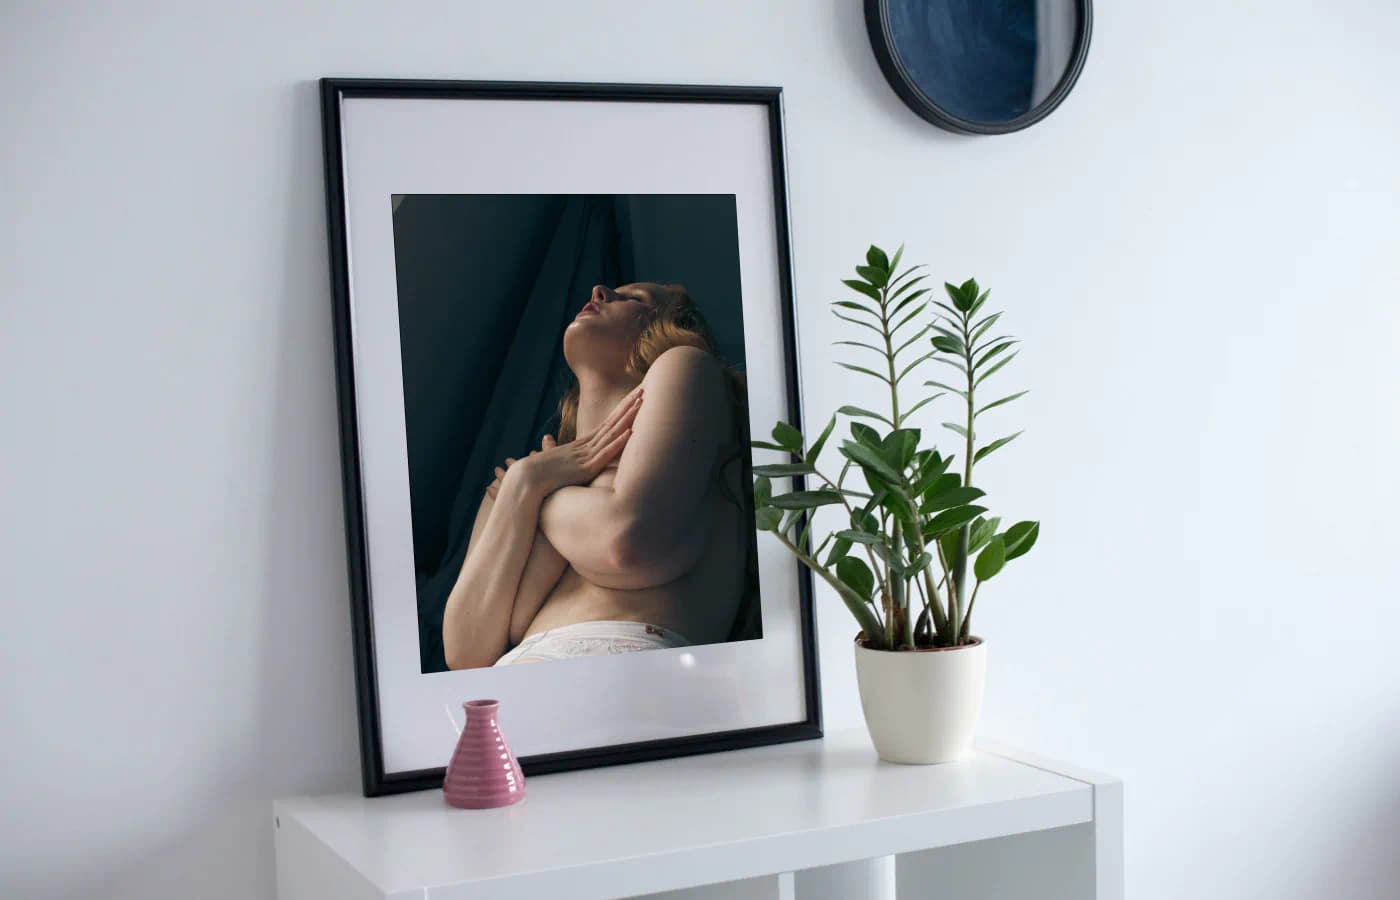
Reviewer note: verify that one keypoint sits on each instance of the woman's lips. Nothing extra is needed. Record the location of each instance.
(589, 309)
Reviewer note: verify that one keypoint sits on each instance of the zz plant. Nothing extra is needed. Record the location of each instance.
(917, 524)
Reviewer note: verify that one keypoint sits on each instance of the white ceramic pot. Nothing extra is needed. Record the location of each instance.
(921, 706)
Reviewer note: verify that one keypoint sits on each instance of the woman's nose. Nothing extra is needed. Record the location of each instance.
(602, 293)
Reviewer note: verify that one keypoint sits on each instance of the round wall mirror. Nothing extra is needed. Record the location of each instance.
(980, 66)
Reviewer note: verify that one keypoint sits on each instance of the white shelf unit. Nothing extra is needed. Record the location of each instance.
(812, 819)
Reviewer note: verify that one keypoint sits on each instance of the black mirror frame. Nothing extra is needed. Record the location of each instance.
(877, 24)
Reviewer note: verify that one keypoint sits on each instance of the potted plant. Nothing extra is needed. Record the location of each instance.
(917, 543)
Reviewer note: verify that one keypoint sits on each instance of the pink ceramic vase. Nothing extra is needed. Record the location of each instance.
(483, 773)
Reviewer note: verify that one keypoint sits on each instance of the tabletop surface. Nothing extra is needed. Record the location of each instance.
(775, 808)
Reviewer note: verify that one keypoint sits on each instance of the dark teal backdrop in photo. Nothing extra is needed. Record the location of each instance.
(487, 284)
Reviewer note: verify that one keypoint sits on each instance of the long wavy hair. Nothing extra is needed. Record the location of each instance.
(672, 321)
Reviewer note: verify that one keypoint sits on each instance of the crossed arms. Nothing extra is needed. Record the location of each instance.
(646, 528)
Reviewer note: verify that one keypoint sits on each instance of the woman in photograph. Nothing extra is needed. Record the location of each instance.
(631, 531)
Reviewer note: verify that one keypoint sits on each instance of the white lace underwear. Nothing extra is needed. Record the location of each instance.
(592, 639)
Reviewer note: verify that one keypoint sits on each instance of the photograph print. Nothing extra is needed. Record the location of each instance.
(577, 424)
(558, 309)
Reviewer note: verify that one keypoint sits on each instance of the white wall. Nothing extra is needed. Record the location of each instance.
(1199, 249)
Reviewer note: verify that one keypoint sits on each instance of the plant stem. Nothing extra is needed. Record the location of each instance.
(959, 587)
(899, 600)
(850, 517)
(966, 634)
(873, 627)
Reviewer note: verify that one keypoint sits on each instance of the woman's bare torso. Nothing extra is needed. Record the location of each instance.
(700, 605)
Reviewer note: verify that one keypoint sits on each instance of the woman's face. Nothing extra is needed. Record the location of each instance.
(608, 326)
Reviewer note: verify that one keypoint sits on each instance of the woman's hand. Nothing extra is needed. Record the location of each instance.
(581, 460)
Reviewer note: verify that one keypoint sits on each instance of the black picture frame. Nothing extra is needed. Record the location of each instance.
(334, 90)
(877, 24)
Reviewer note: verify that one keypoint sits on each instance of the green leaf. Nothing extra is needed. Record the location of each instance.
(762, 490)
(943, 482)
(847, 304)
(856, 575)
(921, 404)
(877, 277)
(1020, 538)
(788, 438)
(918, 334)
(956, 295)
(865, 413)
(946, 387)
(969, 291)
(955, 496)
(868, 290)
(866, 435)
(905, 296)
(995, 403)
(838, 550)
(991, 559)
(911, 366)
(864, 371)
(912, 298)
(767, 518)
(948, 543)
(972, 310)
(783, 470)
(953, 315)
(987, 374)
(948, 344)
(877, 259)
(816, 449)
(913, 314)
(857, 344)
(979, 361)
(898, 447)
(929, 473)
(869, 459)
(860, 537)
(981, 327)
(765, 445)
(956, 428)
(873, 328)
(896, 294)
(916, 564)
(905, 274)
(789, 520)
(898, 255)
(999, 442)
(952, 518)
(805, 499)
(982, 531)
(955, 362)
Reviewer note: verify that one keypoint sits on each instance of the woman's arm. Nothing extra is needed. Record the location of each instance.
(476, 622)
(650, 526)
(509, 569)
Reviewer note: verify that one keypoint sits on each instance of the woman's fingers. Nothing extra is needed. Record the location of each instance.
(548, 442)
(500, 473)
(616, 426)
(609, 451)
(626, 406)
(492, 490)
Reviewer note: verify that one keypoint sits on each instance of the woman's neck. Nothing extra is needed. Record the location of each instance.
(597, 395)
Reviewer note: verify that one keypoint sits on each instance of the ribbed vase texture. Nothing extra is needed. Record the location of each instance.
(483, 773)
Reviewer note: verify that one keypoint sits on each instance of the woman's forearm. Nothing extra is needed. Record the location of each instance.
(476, 621)
(620, 544)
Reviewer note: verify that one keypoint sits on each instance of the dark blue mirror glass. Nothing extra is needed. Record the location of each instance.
(980, 62)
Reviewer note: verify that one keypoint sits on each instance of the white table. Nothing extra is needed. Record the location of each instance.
(802, 821)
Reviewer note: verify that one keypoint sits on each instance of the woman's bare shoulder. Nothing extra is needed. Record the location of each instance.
(688, 370)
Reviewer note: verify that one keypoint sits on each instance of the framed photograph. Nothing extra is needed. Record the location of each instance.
(558, 310)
